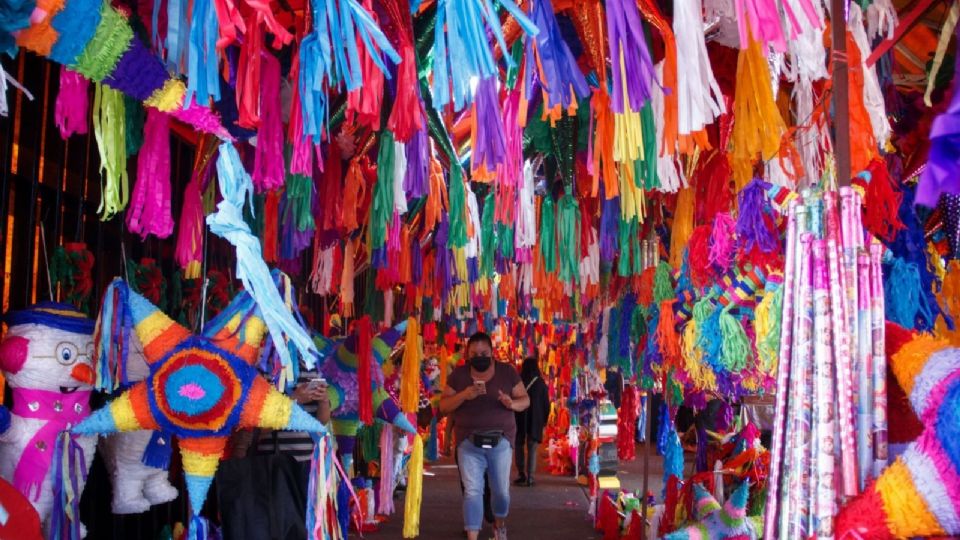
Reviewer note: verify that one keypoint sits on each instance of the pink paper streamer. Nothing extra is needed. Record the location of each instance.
(72, 110)
(149, 211)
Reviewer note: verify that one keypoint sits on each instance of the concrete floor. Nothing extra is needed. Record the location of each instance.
(554, 509)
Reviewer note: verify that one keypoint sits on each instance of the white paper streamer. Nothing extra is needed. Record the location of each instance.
(699, 101)
(872, 95)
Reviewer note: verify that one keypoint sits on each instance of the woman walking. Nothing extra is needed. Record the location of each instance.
(530, 423)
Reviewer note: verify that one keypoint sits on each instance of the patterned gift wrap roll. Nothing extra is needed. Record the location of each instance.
(864, 371)
(879, 359)
(824, 389)
(783, 377)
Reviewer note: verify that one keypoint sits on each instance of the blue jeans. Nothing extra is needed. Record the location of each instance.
(474, 463)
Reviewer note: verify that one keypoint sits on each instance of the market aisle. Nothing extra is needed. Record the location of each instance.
(554, 509)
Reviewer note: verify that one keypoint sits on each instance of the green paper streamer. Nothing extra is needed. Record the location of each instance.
(109, 124)
(487, 237)
(568, 234)
(624, 231)
(135, 117)
(645, 170)
(299, 194)
(505, 238)
(381, 212)
(548, 239)
(457, 192)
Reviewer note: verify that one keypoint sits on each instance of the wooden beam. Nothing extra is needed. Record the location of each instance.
(841, 88)
(914, 11)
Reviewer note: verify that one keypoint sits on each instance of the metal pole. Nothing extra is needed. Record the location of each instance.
(841, 97)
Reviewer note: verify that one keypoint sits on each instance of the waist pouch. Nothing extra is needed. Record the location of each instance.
(486, 439)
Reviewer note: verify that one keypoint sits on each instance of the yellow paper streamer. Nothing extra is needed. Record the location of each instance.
(410, 368)
(757, 125)
(411, 505)
(682, 227)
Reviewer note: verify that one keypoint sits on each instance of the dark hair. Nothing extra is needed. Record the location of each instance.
(480, 337)
(530, 369)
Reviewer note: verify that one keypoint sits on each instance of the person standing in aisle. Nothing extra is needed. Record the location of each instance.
(483, 396)
(530, 423)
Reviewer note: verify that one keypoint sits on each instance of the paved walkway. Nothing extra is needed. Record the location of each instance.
(554, 509)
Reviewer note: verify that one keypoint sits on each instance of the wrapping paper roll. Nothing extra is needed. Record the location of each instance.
(823, 461)
(879, 359)
(796, 519)
(864, 371)
(841, 348)
(784, 365)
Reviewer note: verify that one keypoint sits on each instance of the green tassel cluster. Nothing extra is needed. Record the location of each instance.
(299, 194)
(458, 203)
(487, 236)
(735, 349)
(663, 283)
(381, 211)
(568, 234)
(548, 239)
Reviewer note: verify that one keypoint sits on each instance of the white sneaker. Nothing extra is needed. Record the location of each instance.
(500, 533)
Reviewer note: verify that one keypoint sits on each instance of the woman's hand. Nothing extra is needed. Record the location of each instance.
(505, 400)
(306, 393)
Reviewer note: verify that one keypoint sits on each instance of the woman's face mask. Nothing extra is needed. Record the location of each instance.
(481, 362)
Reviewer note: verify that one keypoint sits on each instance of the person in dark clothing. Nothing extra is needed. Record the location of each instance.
(530, 423)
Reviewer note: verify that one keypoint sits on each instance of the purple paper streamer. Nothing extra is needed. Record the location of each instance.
(415, 181)
(755, 210)
(490, 145)
(626, 38)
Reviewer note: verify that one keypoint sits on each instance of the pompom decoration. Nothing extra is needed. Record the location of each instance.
(916, 495)
(149, 211)
(200, 388)
(47, 396)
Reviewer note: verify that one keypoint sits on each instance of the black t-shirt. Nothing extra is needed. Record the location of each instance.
(485, 412)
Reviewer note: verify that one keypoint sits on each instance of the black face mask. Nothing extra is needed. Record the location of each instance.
(480, 363)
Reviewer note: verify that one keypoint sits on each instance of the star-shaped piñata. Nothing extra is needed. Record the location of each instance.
(716, 522)
(201, 388)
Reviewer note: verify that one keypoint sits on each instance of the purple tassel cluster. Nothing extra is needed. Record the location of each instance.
(626, 38)
(490, 144)
(756, 227)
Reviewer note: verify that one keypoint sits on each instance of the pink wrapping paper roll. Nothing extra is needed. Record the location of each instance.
(879, 359)
(795, 518)
(783, 377)
(841, 348)
(823, 479)
(864, 371)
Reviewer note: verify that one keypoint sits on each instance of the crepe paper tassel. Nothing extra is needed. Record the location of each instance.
(682, 226)
(108, 128)
(568, 238)
(268, 166)
(364, 329)
(723, 242)
(757, 126)
(628, 49)
(764, 21)
(881, 203)
(410, 368)
(399, 174)
(73, 103)
(414, 495)
(406, 116)
(203, 78)
(872, 95)
(549, 58)
(755, 226)
(902, 293)
(548, 239)
(698, 257)
(461, 48)
(387, 479)
(189, 248)
(381, 210)
(331, 51)
(149, 211)
(698, 95)
(346, 279)
(487, 238)
(68, 470)
(458, 209)
(237, 189)
(488, 139)
(364, 103)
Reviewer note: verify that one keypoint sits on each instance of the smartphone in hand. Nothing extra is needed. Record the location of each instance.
(481, 386)
(317, 383)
